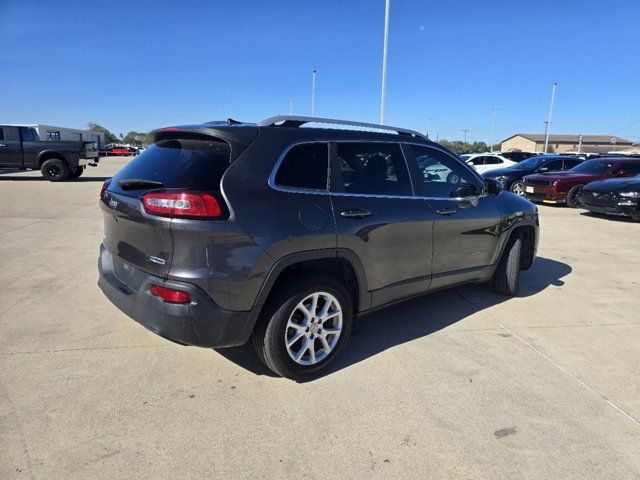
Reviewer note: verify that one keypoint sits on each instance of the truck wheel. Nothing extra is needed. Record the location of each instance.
(506, 279)
(55, 170)
(304, 327)
(76, 172)
(573, 196)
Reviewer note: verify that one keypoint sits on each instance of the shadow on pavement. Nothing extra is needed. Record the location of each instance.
(23, 178)
(611, 218)
(418, 317)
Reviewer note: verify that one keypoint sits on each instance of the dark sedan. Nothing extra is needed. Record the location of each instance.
(565, 187)
(617, 196)
(510, 178)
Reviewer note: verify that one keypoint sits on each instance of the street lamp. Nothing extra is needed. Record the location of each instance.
(493, 126)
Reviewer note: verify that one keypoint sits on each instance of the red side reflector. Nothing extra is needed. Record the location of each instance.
(170, 295)
(182, 205)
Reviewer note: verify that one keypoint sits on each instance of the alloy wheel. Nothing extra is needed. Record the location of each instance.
(313, 328)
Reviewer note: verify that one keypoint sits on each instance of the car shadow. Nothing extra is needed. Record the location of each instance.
(611, 218)
(24, 178)
(416, 318)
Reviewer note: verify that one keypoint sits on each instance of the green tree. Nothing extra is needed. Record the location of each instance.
(461, 147)
(137, 138)
(108, 136)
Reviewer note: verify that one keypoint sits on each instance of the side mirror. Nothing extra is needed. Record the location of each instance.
(492, 187)
(465, 190)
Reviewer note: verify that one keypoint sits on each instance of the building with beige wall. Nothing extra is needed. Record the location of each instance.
(534, 142)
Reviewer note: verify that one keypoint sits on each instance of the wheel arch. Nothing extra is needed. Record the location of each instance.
(343, 264)
(49, 154)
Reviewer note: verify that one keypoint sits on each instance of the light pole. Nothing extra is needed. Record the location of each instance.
(384, 61)
(313, 93)
(493, 127)
(428, 127)
(465, 136)
(290, 107)
(579, 143)
(547, 124)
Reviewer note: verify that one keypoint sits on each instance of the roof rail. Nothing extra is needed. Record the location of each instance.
(295, 121)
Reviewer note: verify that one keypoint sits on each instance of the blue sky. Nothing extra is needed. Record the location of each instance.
(143, 65)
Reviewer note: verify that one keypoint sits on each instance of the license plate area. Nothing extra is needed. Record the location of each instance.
(529, 189)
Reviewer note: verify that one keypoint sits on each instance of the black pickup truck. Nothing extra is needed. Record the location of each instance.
(21, 148)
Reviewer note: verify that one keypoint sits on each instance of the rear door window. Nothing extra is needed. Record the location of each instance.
(304, 166)
(178, 163)
(491, 160)
(372, 169)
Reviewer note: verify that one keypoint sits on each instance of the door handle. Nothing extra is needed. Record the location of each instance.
(446, 211)
(355, 213)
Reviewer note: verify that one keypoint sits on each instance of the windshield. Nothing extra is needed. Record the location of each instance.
(529, 164)
(592, 166)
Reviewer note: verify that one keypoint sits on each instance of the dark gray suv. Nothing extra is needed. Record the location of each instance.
(224, 232)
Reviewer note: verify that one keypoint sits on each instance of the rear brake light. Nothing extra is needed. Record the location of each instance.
(170, 295)
(104, 187)
(182, 205)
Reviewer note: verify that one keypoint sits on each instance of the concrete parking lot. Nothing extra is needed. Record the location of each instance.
(459, 384)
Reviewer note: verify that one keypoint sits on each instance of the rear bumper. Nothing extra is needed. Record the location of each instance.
(202, 323)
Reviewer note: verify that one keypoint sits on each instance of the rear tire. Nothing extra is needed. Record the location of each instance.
(76, 172)
(506, 279)
(55, 170)
(573, 196)
(289, 327)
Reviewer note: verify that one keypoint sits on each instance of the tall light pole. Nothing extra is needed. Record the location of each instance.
(493, 127)
(313, 93)
(383, 98)
(580, 143)
(290, 107)
(547, 124)
(428, 127)
(465, 136)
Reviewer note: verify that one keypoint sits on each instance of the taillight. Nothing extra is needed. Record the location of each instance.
(104, 187)
(182, 205)
(170, 295)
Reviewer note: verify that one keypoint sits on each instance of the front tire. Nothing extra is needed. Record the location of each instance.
(55, 170)
(304, 327)
(518, 188)
(573, 196)
(506, 279)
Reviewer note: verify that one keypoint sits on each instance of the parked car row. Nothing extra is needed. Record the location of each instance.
(121, 150)
(609, 185)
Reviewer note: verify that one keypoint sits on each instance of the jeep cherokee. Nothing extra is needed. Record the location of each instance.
(283, 234)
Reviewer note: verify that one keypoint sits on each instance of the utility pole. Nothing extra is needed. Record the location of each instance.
(437, 137)
(428, 127)
(290, 107)
(547, 124)
(383, 98)
(465, 136)
(313, 93)
(493, 127)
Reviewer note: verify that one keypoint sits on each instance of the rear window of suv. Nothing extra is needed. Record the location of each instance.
(180, 163)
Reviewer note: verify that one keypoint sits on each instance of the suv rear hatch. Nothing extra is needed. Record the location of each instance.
(177, 177)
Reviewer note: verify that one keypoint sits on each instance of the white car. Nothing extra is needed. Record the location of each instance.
(483, 162)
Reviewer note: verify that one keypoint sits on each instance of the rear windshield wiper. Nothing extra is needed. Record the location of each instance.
(135, 183)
